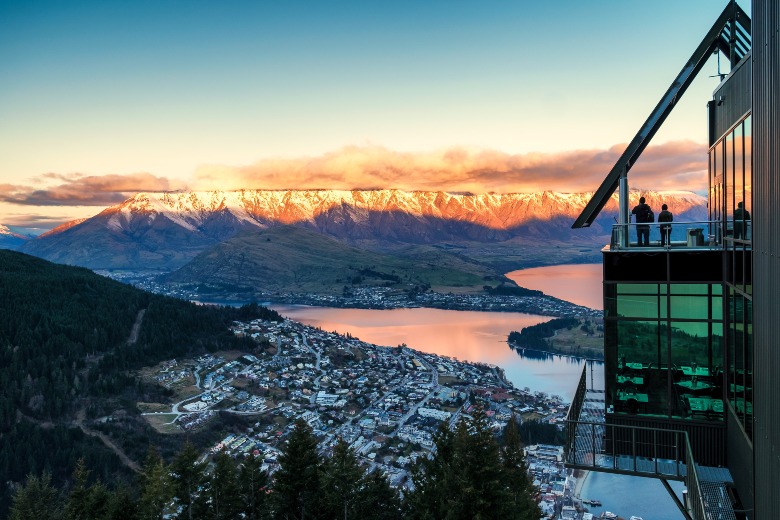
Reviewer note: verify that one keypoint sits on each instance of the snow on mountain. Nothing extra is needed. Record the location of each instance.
(9, 239)
(192, 210)
(165, 230)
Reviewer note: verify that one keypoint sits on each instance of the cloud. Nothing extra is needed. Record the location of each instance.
(680, 165)
(83, 190)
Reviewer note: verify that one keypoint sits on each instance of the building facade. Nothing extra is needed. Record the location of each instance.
(692, 344)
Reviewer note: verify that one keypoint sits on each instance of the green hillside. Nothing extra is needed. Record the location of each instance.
(66, 353)
(292, 259)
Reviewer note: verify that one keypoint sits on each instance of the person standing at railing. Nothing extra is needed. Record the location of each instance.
(644, 215)
(666, 229)
(741, 216)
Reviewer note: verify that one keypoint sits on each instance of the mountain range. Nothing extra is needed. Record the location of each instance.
(165, 231)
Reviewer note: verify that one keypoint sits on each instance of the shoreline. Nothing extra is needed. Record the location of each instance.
(516, 347)
(581, 483)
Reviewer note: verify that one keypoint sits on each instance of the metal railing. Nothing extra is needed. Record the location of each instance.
(695, 500)
(575, 410)
(649, 452)
(707, 234)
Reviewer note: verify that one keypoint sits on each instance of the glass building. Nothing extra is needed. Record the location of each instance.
(690, 389)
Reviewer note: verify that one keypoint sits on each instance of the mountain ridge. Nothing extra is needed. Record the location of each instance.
(165, 230)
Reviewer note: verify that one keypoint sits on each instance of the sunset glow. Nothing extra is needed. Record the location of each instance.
(104, 99)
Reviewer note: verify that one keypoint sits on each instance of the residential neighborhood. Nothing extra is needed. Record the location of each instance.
(386, 402)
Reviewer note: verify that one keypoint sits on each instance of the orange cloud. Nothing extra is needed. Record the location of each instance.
(680, 165)
(83, 190)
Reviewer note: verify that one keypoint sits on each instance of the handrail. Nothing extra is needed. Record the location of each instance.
(695, 504)
(699, 234)
(575, 409)
(662, 453)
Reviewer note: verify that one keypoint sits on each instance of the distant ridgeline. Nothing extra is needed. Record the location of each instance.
(66, 353)
(540, 337)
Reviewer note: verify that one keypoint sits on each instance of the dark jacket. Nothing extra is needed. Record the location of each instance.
(643, 213)
(665, 216)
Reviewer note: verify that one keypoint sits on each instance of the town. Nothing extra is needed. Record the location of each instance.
(386, 402)
(370, 297)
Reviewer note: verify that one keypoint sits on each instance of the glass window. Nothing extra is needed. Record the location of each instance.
(690, 307)
(728, 180)
(748, 407)
(641, 306)
(748, 178)
(717, 308)
(637, 288)
(642, 378)
(689, 288)
(739, 166)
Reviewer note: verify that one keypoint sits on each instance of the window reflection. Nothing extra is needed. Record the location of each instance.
(665, 363)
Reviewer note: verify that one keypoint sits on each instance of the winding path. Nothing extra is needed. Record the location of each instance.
(136, 327)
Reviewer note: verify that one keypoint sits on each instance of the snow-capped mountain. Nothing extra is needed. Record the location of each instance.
(165, 230)
(9, 239)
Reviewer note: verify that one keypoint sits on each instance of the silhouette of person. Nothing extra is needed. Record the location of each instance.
(741, 216)
(666, 229)
(643, 215)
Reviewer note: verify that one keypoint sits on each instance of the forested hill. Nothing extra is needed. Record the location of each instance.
(66, 350)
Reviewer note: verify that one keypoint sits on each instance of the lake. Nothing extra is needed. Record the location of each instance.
(465, 335)
(576, 283)
(473, 335)
(627, 496)
(481, 336)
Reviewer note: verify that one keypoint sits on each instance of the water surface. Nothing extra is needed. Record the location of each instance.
(465, 335)
(627, 496)
(576, 283)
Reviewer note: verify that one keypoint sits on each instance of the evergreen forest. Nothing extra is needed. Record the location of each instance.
(68, 350)
(70, 343)
(472, 474)
(534, 336)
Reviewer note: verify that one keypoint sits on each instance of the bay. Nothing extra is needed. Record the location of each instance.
(481, 337)
(466, 335)
(575, 283)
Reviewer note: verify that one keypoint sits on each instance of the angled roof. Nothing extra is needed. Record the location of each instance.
(729, 34)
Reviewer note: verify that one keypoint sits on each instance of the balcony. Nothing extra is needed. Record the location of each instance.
(593, 444)
(696, 235)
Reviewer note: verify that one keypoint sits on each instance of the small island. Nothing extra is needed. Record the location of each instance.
(577, 337)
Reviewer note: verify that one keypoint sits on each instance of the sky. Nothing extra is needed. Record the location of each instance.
(102, 99)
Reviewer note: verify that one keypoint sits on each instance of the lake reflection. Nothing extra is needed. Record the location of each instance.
(465, 335)
(575, 283)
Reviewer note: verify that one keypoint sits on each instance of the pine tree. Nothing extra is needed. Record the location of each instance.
(188, 476)
(520, 485)
(377, 500)
(85, 502)
(222, 492)
(341, 483)
(484, 493)
(297, 483)
(38, 499)
(433, 480)
(121, 505)
(156, 487)
(253, 483)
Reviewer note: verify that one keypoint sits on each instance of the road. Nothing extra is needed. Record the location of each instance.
(315, 352)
